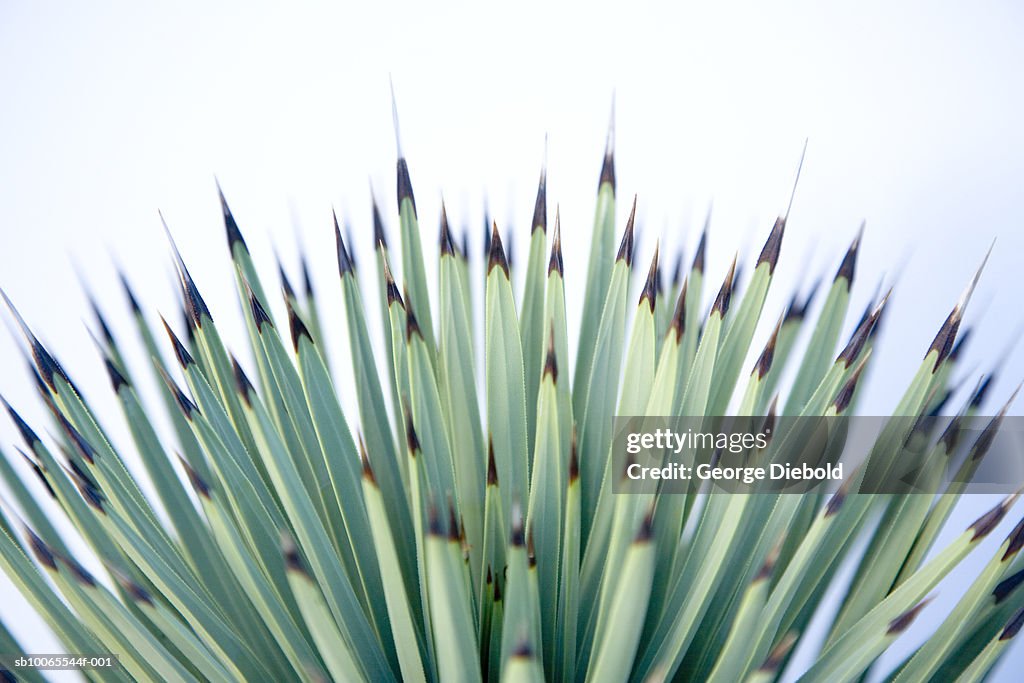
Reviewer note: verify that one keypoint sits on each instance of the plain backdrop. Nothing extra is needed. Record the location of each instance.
(111, 111)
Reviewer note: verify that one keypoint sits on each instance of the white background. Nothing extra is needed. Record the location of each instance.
(913, 115)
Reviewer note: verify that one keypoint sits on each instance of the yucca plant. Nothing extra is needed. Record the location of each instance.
(454, 529)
